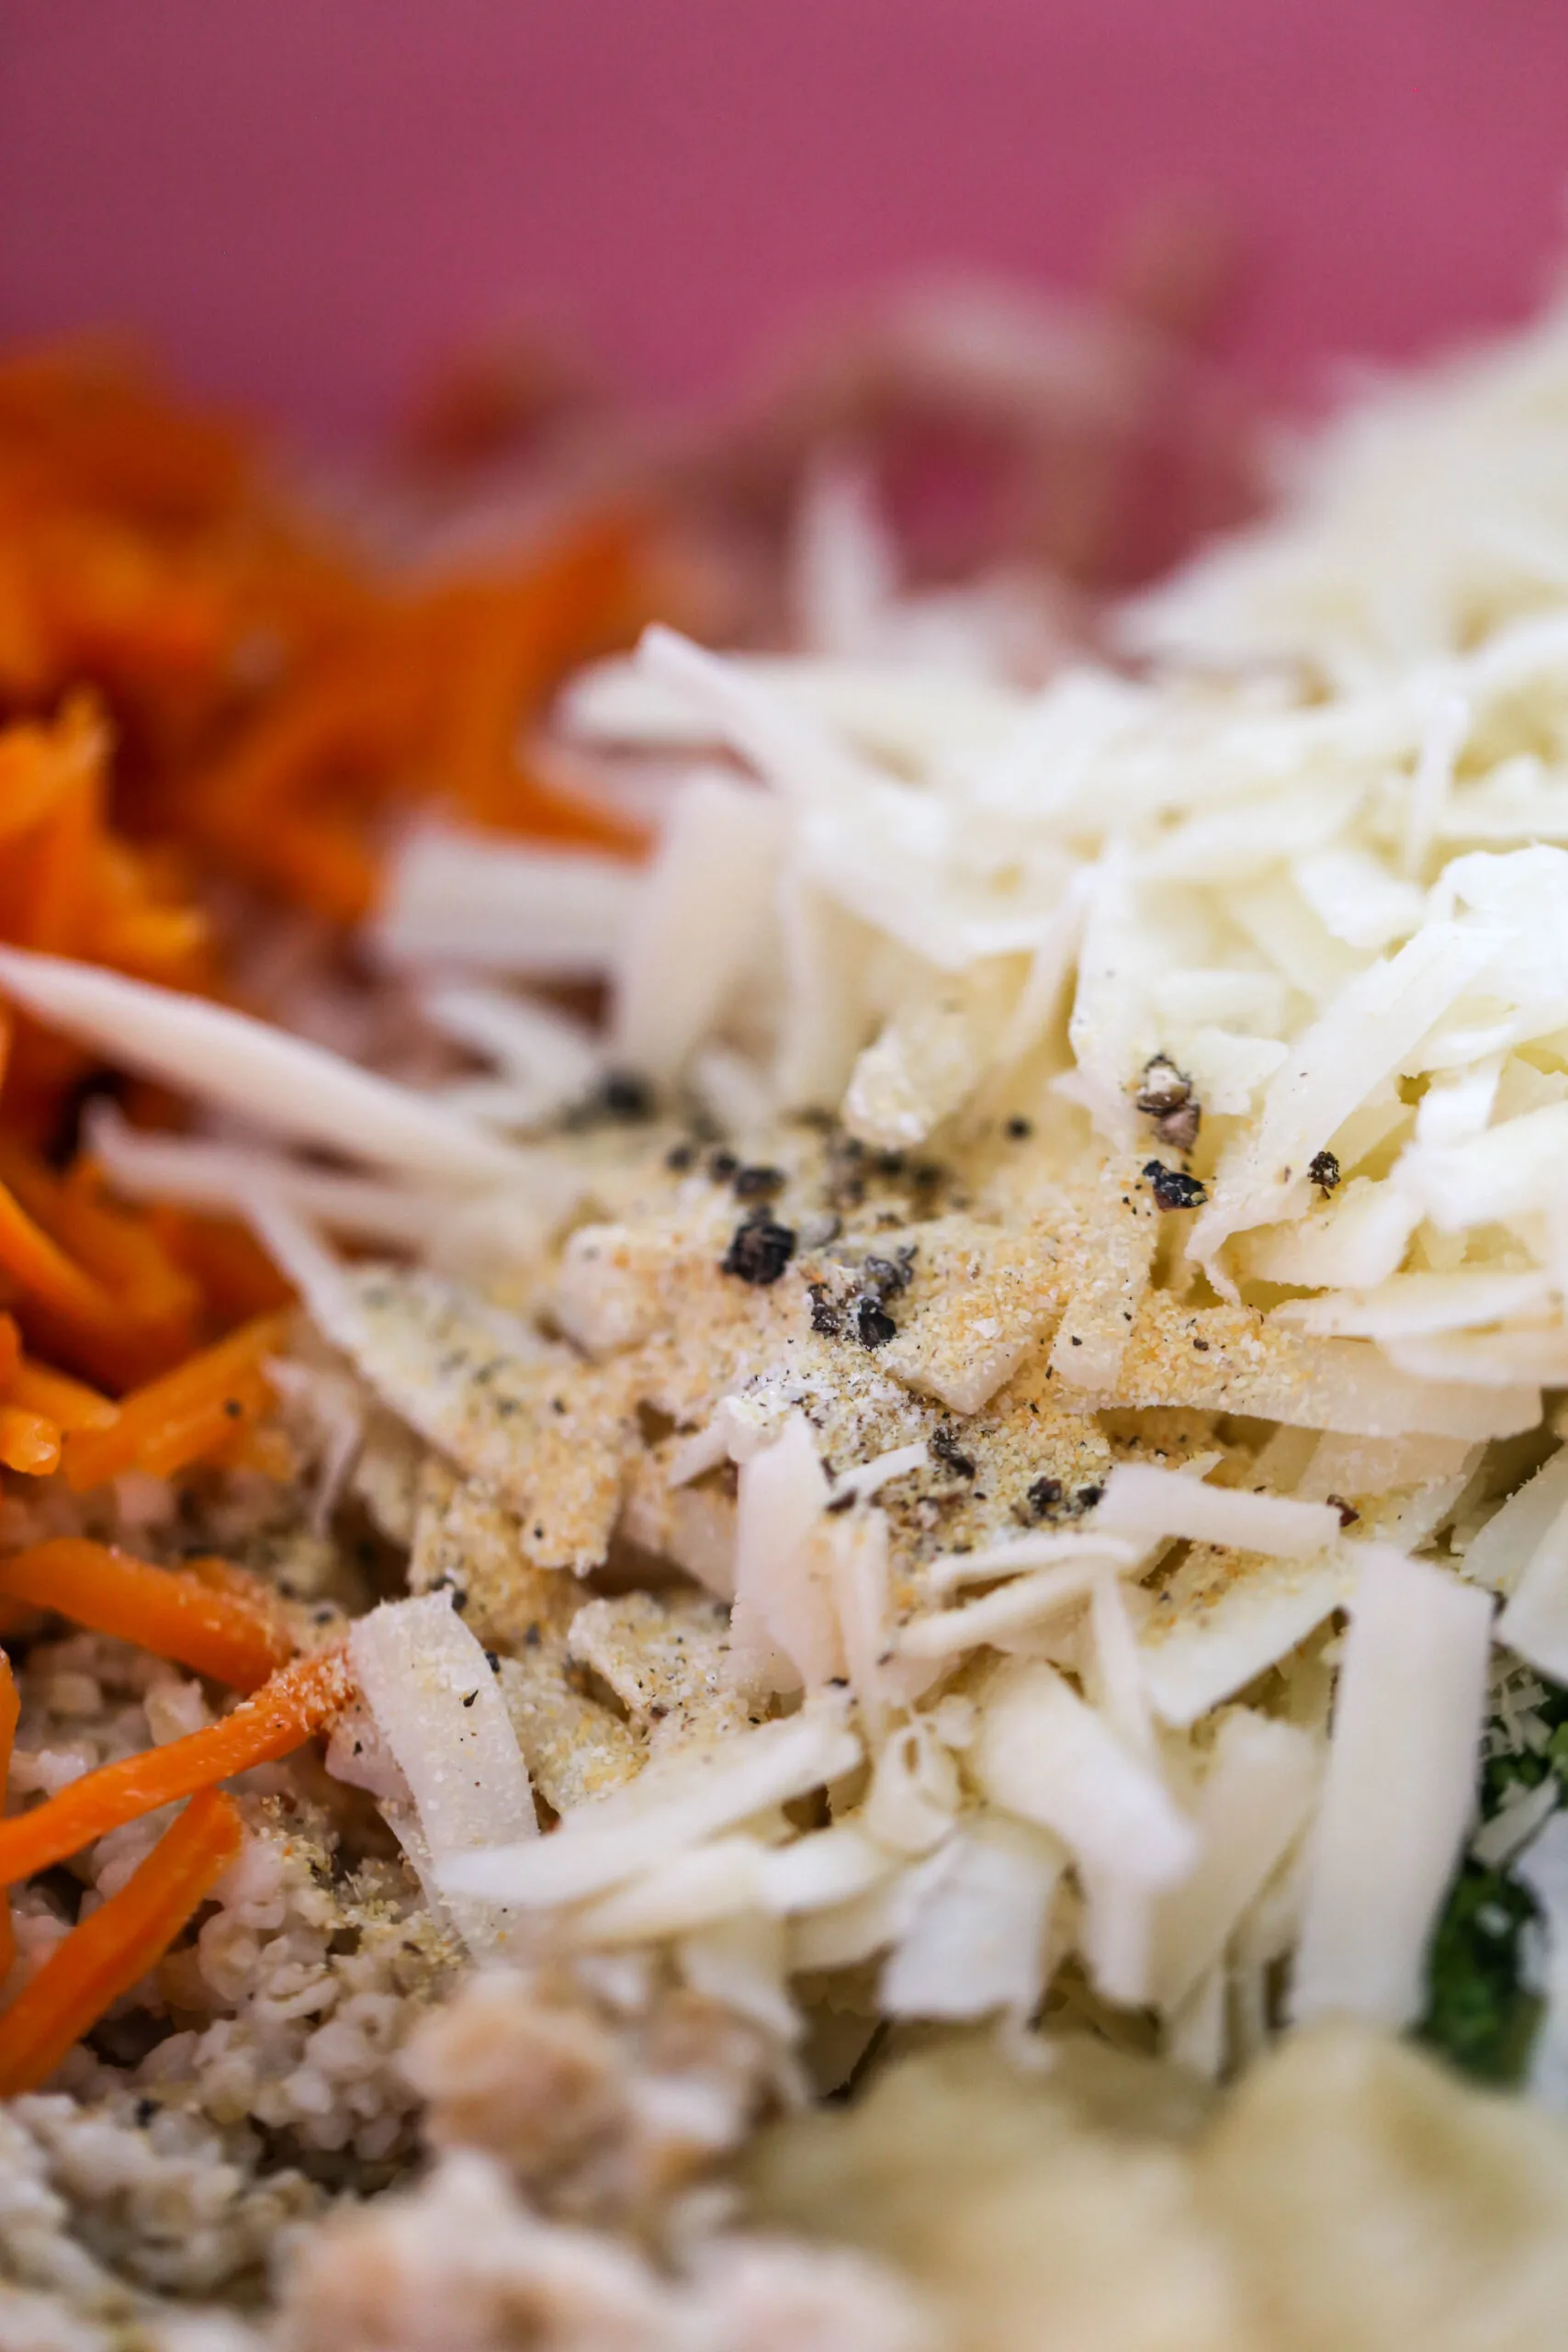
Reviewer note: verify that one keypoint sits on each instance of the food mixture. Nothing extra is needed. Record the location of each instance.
(784, 1545)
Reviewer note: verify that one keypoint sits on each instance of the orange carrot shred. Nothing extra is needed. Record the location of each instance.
(63, 865)
(68, 1402)
(34, 776)
(117, 1246)
(234, 1635)
(207, 1427)
(176, 1419)
(114, 1947)
(156, 1302)
(10, 1708)
(145, 559)
(236, 1277)
(29, 1442)
(42, 1268)
(222, 1576)
(298, 1701)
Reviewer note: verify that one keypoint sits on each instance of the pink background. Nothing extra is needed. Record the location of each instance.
(301, 201)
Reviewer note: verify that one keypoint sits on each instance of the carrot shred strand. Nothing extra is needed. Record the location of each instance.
(233, 1633)
(30, 1442)
(298, 1701)
(10, 1710)
(114, 1947)
(71, 1404)
(42, 1268)
(175, 1420)
(283, 704)
(237, 1278)
(150, 1319)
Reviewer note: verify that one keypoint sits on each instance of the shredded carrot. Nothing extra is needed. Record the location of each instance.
(507, 640)
(67, 882)
(157, 1305)
(93, 1284)
(190, 1411)
(42, 1271)
(116, 1246)
(200, 686)
(30, 1442)
(114, 1947)
(34, 778)
(298, 1701)
(289, 803)
(10, 1708)
(235, 1634)
(63, 873)
(70, 1403)
(85, 411)
(235, 1277)
(11, 1359)
(222, 1576)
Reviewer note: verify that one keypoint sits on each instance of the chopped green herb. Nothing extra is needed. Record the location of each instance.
(1481, 2010)
(1480, 2013)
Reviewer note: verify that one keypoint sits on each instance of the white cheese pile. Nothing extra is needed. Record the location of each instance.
(1436, 510)
(1400, 1789)
(1310, 859)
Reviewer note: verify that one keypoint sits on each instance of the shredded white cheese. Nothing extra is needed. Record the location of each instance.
(977, 1943)
(549, 1059)
(468, 900)
(784, 1630)
(220, 1178)
(1256, 1798)
(1499, 1553)
(704, 909)
(436, 1706)
(667, 1810)
(1143, 1501)
(1041, 1753)
(436, 1703)
(1400, 1789)
(1535, 1619)
(266, 1076)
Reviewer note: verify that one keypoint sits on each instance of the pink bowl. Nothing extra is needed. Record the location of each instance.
(303, 205)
